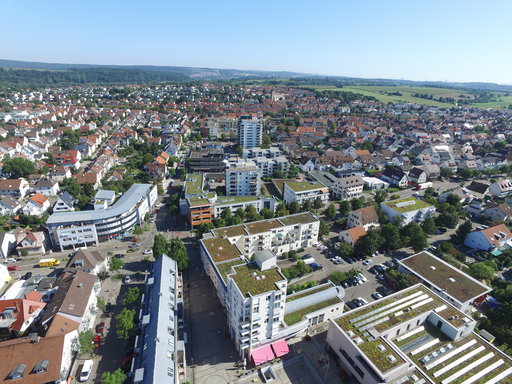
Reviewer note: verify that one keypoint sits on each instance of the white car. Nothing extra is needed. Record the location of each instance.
(147, 252)
(10, 260)
(86, 370)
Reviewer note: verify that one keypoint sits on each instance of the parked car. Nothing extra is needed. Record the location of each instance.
(100, 327)
(27, 276)
(351, 305)
(344, 284)
(108, 310)
(147, 252)
(134, 245)
(13, 268)
(10, 260)
(306, 257)
(367, 262)
(362, 300)
(119, 255)
(86, 370)
(127, 279)
(377, 296)
(360, 276)
(316, 266)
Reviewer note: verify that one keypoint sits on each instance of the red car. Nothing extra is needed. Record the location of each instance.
(100, 327)
(97, 339)
(13, 268)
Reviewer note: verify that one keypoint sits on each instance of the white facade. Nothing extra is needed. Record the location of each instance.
(77, 236)
(407, 215)
(348, 188)
(243, 179)
(249, 132)
(291, 193)
(374, 184)
(258, 203)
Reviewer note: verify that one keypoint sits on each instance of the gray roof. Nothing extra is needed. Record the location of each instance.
(325, 178)
(104, 194)
(264, 255)
(125, 203)
(315, 298)
(9, 202)
(67, 199)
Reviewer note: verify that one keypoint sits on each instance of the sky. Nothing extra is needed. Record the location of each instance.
(448, 40)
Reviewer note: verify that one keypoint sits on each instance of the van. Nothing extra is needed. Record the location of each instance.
(86, 370)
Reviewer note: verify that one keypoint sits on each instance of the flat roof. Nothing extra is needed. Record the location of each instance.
(262, 226)
(251, 281)
(299, 218)
(462, 288)
(126, 202)
(202, 199)
(221, 200)
(408, 204)
(235, 230)
(194, 184)
(221, 249)
(226, 267)
(303, 186)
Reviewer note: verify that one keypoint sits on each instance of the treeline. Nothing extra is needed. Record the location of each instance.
(441, 99)
(344, 96)
(83, 76)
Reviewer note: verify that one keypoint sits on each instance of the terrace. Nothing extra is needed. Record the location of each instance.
(445, 277)
(220, 249)
(251, 281)
(406, 205)
(295, 317)
(303, 186)
(262, 226)
(301, 218)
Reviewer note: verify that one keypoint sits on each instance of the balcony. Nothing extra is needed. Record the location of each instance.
(244, 325)
(245, 331)
(245, 339)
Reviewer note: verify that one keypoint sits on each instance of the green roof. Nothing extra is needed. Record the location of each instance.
(297, 316)
(248, 279)
(225, 267)
(194, 184)
(303, 186)
(300, 218)
(380, 358)
(221, 249)
(262, 226)
(307, 292)
(235, 230)
(236, 199)
(201, 199)
(406, 205)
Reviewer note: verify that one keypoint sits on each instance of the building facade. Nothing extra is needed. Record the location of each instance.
(301, 191)
(243, 179)
(250, 132)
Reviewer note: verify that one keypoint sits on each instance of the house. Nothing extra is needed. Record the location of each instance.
(366, 217)
(59, 173)
(89, 261)
(47, 187)
(18, 315)
(352, 235)
(65, 203)
(37, 205)
(7, 244)
(501, 188)
(479, 190)
(89, 178)
(33, 243)
(374, 184)
(347, 188)
(417, 175)
(464, 195)
(497, 213)
(14, 187)
(395, 176)
(488, 239)
(9, 206)
(407, 210)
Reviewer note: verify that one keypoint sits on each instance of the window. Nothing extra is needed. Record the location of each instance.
(41, 366)
(17, 372)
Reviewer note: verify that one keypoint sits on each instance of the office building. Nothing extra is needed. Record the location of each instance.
(407, 210)
(207, 160)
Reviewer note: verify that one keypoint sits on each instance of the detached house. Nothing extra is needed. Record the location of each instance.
(395, 176)
(37, 205)
(33, 242)
(65, 203)
(59, 172)
(366, 217)
(501, 188)
(89, 261)
(497, 213)
(489, 238)
(9, 206)
(352, 235)
(14, 187)
(47, 187)
(417, 175)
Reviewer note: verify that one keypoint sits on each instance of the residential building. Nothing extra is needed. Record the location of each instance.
(366, 217)
(243, 179)
(414, 336)
(90, 261)
(37, 205)
(501, 188)
(301, 191)
(258, 152)
(17, 188)
(161, 341)
(9, 206)
(217, 126)
(5, 276)
(497, 213)
(7, 245)
(34, 243)
(65, 203)
(352, 235)
(207, 160)
(417, 176)
(47, 187)
(250, 131)
(348, 188)
(450, 283)
(267, 167)
(78, 228)
(395, 177)
(407, 210)
(488, 239)
(104, 199)
(374, 184)
(17, 316)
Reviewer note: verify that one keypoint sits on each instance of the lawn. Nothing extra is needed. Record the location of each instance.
(225, 268)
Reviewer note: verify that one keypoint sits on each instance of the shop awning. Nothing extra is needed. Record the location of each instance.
(261, 355)
(280, 348)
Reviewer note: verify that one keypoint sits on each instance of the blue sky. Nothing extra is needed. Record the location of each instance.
(448, 40)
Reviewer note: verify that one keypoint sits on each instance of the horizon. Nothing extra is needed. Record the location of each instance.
(454, 42)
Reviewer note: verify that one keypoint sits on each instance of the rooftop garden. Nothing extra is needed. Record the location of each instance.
(380, 358)
(225, 268)
(463, 287)
(201, 199)
(297, 316)
(236, 230)
(307, 292)
(303, 186)
(251, 281)
(194, 184)
(262, 226)
(406, 205)
(220, 249)
(236, 199)
(301, 218)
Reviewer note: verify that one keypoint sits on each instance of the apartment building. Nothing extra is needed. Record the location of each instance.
(243, 179)
(86, 227)
(258, 152)
(267, 166)
(161, 343)
(347, 188)
(217, 126)
(250, 131)
(414, 336)
(207, 160)
(301, 191)
(408, 210)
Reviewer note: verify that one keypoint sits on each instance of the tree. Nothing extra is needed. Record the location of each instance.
(115, 264)
(357, 203)
(324, 229)
(380, 196)
(116, 377)
(138, 230)
(293, 171)
(318, 203)
(330, 212)
(447, 218)
(294, 207)
(462, 232)
(429, 226)
(147, 158)
(482, 271)
(125, 323)
(446, 172)
(367, 145)
(266, 142)
(204, 227)
(240, 213)
(85, 342)
(266, 213)
(240, 150)
(418, 241)
(281, 210)
(369, 244)
(160, 245)
(18, 167)
(303, 268)
(101, 303)
(345, 207)
(131, 296)
(345, 249)
(226, 214)
(178, 252)
(391, 236)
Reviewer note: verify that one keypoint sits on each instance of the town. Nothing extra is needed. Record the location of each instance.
(242, 231)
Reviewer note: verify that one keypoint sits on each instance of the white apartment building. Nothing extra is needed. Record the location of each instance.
(255, 152)
(249, 132)
(243, 179)
(267, 166)
(301, 191)
(408, 210)
(347, 188)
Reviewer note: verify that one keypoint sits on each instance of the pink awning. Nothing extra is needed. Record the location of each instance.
(280, 348)
(261, 355)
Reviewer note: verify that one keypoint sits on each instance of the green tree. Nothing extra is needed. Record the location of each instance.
(240, 213)
(462, 231)
(357, 203)
(418, 241)
(369, 244)
(137, 230)
(324, 229)
(131, 296)
(266, 213)
(178, 252)
(391, 236)
(345, 249)
(318, 203)
(482, 271)
(115, 264)
(17, 167)
(449, 216)
(204, 227)
(429, 226)
(240, 150)
(294, 207)
(293, 171)
(330, 212)
(147, 158)
(380, 196)
(281, 210)
(101, 303)
(266, 141)
(160, 245)
(85, 339)
(446, 172)
(125, 323)
(345, 207)
(226, 214)
(116, 377)
(303, 268)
